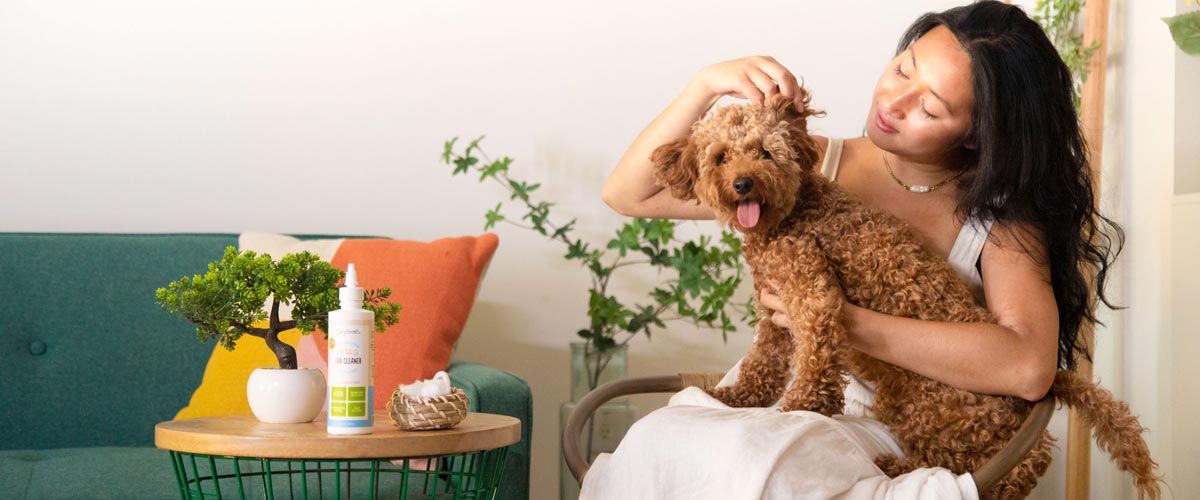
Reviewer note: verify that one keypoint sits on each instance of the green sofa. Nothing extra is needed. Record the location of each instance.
(90, 363)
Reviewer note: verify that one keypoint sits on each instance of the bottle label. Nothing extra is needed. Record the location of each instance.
(351, 374)
(349, 401)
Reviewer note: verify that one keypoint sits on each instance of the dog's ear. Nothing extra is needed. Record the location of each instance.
(676, 167)
(785, 109)
(804, 145)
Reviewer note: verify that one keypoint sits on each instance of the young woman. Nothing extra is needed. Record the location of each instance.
(973, 139)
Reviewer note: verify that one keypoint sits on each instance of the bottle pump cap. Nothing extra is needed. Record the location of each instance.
(350, 295)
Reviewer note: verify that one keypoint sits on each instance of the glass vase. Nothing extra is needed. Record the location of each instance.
(602, 432)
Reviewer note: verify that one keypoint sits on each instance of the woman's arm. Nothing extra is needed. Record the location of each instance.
(631, 190)
(1016, 357)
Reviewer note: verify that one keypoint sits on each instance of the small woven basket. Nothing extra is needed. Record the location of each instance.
(423, 414)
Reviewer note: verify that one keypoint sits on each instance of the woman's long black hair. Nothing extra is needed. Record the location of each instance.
(1028, 163)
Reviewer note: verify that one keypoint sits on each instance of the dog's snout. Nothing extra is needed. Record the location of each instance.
(743, 185)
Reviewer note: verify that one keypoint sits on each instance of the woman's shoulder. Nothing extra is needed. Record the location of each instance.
(823, 147)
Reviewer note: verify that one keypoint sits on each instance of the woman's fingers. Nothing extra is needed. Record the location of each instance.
(781, 320)
(749, 89)
(764, 84)
(788, 86)
(772, 301)
(754, 78)
(782, 77)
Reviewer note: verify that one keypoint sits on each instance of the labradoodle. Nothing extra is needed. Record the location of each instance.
(755, 166)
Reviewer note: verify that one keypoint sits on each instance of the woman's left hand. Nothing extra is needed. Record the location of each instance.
(769, 297)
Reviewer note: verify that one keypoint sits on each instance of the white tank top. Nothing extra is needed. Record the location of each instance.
(967, 247)
(860, 395)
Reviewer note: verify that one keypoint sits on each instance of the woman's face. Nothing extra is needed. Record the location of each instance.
(924, 104)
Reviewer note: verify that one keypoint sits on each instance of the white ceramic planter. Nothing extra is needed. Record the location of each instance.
(279, 396)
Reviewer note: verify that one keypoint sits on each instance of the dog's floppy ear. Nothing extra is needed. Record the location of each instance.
(676, 167)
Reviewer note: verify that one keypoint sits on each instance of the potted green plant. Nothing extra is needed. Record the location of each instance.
(227, 302)
(701, 278)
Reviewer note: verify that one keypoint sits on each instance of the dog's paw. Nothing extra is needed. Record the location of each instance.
(827, 407)
(894, 466)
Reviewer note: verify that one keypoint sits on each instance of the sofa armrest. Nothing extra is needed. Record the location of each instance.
(496, 391)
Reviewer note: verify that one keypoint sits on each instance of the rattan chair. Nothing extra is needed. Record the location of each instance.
(986, 477)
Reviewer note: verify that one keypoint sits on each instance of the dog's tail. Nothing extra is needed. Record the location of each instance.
(1117, 431)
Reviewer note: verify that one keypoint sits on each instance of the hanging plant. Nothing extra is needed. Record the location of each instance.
(1059, 18)
(1185, 29)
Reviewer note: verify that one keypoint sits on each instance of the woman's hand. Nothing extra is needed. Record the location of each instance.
(769, 297)
(754, 78)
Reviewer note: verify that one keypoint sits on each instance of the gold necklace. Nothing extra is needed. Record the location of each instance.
(915, 189)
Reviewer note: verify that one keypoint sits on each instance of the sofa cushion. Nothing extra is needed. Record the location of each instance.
(222, 391)
(118, 473)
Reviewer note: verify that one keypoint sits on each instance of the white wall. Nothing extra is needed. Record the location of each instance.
(315, 117)
(1187, 96)
(1145, 146)
(1185, 373)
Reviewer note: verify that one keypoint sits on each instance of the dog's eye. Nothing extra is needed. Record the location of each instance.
(766, 154)
(720, 158)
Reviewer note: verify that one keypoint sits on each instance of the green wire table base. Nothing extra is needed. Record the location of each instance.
(471, 475)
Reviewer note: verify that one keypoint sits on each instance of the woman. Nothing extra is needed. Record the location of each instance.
(972, 138)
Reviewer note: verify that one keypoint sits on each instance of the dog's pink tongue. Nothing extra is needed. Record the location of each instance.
(748, 213)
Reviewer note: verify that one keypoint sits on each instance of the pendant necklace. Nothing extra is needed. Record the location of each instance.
(916, 188)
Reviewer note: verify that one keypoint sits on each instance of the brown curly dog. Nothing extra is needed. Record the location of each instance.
(755, 167)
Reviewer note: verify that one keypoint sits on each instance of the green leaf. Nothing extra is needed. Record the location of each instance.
(494, 168)
(628, 237)
(599, 269)
(493, 216)
(1185, 30)
(562, 231)
(519, 190)
(448, 149)
(463, 163)
(606, 310)
(660, 231)
(473, 145)
(576, 249)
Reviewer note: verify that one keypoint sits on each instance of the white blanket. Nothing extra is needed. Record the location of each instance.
(697, 447)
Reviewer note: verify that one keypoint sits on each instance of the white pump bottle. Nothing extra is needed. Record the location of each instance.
(351, 362)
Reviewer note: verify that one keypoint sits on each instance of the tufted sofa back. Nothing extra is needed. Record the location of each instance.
(87, 358)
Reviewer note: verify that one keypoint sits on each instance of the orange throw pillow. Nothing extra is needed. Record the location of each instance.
(436, 282)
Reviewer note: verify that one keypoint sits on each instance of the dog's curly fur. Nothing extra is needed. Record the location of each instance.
(813, 239)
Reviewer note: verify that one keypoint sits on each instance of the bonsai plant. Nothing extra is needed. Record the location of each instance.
(225, 302)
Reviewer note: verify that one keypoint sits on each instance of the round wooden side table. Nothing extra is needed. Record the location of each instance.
(240, 457)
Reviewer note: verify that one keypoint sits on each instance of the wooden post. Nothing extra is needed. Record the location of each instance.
(1079, 440)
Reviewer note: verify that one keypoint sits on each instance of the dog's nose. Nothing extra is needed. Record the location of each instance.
(743, 185)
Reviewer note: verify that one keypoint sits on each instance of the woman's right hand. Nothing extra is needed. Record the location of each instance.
(631, 189)
(754, 78)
